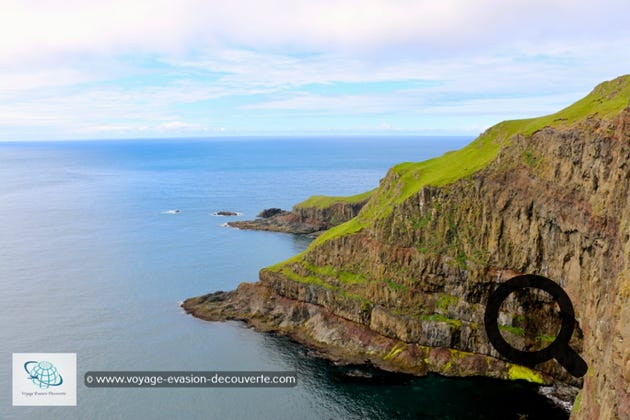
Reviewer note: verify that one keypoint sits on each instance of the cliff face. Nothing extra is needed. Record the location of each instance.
(331, 215)
(404, 283)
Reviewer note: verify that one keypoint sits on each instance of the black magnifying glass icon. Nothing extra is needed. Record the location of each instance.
(558, 349)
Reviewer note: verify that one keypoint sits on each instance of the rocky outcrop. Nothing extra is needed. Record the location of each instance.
(303, 219)
(267, 213)
(404, 284)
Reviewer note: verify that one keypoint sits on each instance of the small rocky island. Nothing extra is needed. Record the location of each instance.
(402, 284)
(225, 213)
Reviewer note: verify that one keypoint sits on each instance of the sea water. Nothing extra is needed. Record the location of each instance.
(95, 260)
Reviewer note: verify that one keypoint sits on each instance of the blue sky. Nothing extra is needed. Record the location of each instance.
(138, 69)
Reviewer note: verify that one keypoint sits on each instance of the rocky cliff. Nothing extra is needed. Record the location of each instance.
(312, 216)
(403, 285)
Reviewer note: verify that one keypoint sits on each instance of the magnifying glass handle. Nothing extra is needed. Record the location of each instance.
(571, 361)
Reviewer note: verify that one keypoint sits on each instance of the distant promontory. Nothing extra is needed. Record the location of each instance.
(311, 217)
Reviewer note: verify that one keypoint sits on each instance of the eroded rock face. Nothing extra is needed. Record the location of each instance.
(339, 339)
(302, 220)
(332, 215)
(408, 291)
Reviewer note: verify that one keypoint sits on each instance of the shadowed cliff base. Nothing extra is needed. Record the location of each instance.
(404, 284)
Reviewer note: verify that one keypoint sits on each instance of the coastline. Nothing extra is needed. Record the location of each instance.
(345, 342)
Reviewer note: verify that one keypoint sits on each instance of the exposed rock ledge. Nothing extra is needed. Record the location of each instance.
(342, 340)
(347, 342)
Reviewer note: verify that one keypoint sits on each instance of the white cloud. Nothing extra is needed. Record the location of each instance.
(123, 66)
(416, 103)
(353, 27)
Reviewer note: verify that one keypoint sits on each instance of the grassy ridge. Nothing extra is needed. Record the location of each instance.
(605, 101)
(322, 201)
(406, 179)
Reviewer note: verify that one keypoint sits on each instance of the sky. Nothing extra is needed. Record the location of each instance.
(199, 68)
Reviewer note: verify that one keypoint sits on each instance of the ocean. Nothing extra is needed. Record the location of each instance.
(93, 262)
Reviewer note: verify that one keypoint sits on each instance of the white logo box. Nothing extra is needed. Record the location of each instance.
(44, 379)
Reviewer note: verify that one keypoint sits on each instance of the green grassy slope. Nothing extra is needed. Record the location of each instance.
(322, 201)
(605, 101)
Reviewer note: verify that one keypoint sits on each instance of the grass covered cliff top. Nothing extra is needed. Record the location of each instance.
(322, 201)
(406, 179)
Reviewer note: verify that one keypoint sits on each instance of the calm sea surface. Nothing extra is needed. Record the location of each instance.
(91, 264)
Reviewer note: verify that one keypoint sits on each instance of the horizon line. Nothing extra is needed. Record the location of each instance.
(242, 136)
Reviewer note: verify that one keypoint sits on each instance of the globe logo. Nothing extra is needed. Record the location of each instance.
(43, 374)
